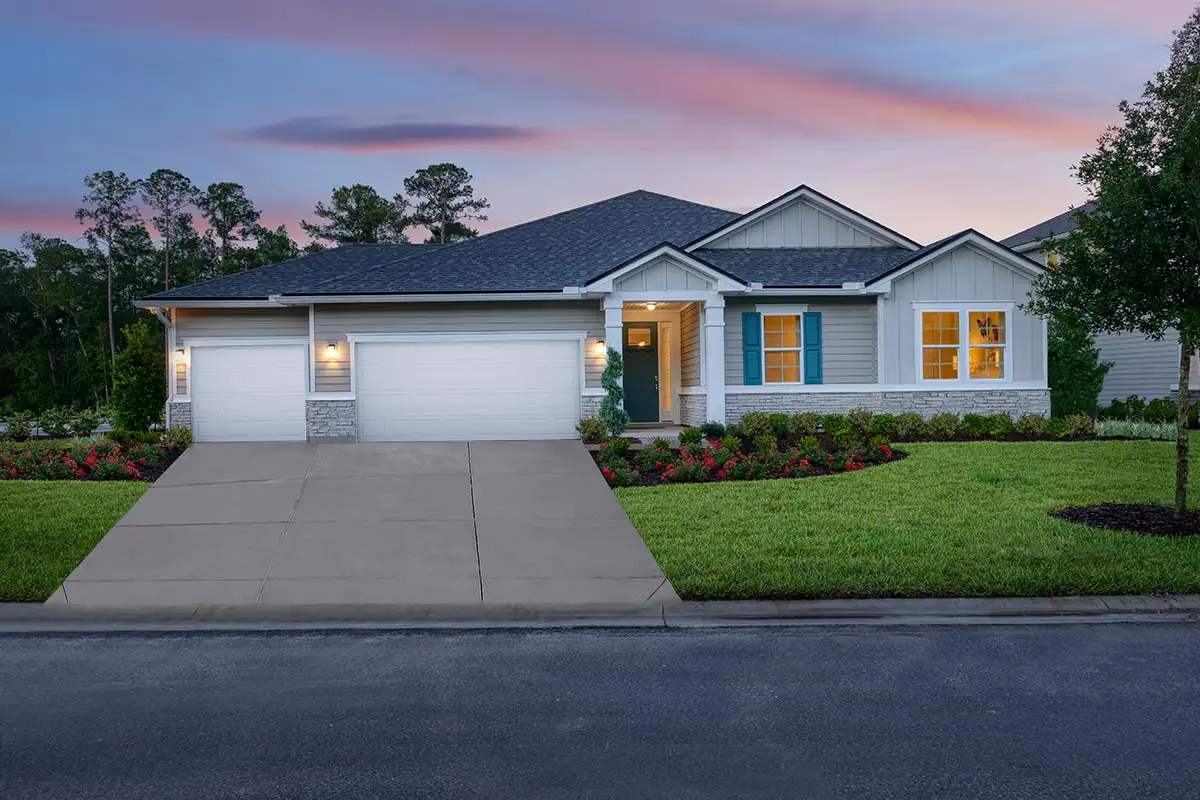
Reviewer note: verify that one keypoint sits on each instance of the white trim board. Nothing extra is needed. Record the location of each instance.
(869, 388)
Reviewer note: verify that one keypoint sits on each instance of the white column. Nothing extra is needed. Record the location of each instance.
(714, 356)
(614, 330)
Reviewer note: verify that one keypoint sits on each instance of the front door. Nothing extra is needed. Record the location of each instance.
(641, 371)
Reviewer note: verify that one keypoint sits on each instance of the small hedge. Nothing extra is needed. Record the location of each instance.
(98, 461)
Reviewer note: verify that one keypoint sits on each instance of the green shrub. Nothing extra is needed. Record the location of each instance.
(1164, 409)
(720, 455)
(19, 426)
(781, 425)
(693, 450)
(732, 443)
(177, 438)
(1081, 425)
(810, 447)
(884, 425)
(1030, 424)
(591, 429)
(139, 389)
(910, 427)
(1135, 407)
(1135, 429)
(1058, 429)
(649, 459)
(1076, 373)
(942, 426)
(805, 423)
(975, 426)
(860, 421)
(832, 424)
(735, 430)
(1116, 410)
(84, 422)
(1000, 424)
(845, 440)
(686, 470)
(659, 443)
(747, 468)
(690, 436)
(712, 430)
(1194, 415)
(618, 473)
(755, 424)
(55, 422)
(615, 418)
(616, 446)
(131, 438)
(765, 443)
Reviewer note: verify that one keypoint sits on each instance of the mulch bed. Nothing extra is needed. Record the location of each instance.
(1144, 519)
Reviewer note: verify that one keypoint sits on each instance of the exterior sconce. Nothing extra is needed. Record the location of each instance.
(600, 346)
(179, 354)
(331, 350)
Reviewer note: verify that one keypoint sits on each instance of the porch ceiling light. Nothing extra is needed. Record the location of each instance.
(651, 306)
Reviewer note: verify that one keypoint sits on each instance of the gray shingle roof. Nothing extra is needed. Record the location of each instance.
(786, 267)
(1063, 223)
(295, 273)
(547, 254)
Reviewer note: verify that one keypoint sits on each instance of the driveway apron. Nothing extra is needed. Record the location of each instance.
(441, 522)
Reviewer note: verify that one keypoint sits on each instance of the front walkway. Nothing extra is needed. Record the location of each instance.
(284, 524)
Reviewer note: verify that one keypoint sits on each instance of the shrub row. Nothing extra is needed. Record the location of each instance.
(104, 461)
(54, 422)
(1134, 408)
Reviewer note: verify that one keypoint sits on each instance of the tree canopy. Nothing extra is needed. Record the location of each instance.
(359, 214)
(1133, 265)
(444, 198)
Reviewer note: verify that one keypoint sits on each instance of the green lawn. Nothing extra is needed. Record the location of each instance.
(47, 527)
(951, 520)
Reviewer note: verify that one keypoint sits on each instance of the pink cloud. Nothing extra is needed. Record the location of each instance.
(50, 219)
(716, 89)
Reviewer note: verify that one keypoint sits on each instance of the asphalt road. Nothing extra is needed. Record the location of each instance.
(1054, 711)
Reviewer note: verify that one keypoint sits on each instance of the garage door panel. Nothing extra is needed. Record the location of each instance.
(409, 391)
(248, 393)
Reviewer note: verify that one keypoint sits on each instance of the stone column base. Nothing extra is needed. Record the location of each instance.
(180, 414)
(693, 409)
(331, 420)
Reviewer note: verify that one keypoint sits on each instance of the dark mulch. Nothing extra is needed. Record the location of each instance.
(1148, 520)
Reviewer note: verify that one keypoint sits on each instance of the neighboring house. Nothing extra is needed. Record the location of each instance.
(1141, 366)
(802, 303)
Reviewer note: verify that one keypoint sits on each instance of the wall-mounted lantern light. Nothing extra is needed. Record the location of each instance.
(331, 350)
(600, 345)
(179, 354)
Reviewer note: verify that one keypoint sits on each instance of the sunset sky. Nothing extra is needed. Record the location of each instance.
(929, 115)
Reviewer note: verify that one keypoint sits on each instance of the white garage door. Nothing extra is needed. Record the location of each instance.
(456, 390)
(248, 393)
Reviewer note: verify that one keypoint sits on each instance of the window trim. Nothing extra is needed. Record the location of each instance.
(765, 311)
(964, 311)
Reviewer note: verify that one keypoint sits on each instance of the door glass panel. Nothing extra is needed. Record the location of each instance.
(666, 369)
(637, 337)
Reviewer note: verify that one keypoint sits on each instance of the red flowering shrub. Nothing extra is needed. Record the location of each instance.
(101, 461)
(619, 473)
(689, 469)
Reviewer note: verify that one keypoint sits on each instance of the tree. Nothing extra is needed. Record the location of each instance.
(1134, 263)
(445, 196)
(230, 214)
(455, 232)
(1076, 372)
(359, 214)
(168, 193)
(139, 391)
(614, 417)
(109, 206)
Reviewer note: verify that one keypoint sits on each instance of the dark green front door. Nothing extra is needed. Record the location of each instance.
(641, 371)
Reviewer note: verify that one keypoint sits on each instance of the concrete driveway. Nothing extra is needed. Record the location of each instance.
(283, 524)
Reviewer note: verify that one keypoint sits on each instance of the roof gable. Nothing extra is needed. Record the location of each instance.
(802, 217)
(970, 237)
(665, 268)
(1064, 223)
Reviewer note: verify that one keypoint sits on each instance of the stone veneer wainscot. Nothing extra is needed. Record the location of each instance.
(180, 414)
(693, 409)
(1012, 401)
(331, 419)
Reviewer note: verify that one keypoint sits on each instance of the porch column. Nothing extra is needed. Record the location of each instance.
(614, 330)
(714, 357)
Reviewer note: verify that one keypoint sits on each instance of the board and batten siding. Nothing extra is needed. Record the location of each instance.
(847, 332)
(234, 323)
(689, 345)
(332, 323)
(663, 274)
(801, 224)
(1141, 366)
(964, 275)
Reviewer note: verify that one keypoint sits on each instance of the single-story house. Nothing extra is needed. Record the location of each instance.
(802, 303)
(1141, 366)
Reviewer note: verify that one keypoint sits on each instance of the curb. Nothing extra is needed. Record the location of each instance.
(30, 618)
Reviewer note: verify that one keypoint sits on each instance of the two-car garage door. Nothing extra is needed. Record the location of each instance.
(427, 390)
(475, 389)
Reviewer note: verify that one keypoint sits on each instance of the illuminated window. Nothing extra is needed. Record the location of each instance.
(781, 348)
(939, 345)
(638, 337)
(976, 339)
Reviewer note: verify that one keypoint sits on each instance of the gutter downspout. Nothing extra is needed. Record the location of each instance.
(165, 319)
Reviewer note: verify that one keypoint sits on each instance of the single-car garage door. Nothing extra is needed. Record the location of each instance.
(248, 393)
(477, 389)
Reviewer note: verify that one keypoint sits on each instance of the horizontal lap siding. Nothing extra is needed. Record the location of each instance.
(963, 275)
(689, 345)
(234, 323)
(1140, 366)
(848, 333)
(333, 323)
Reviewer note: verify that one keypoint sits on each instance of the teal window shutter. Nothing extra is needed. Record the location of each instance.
(813, 372)
(751, 348)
